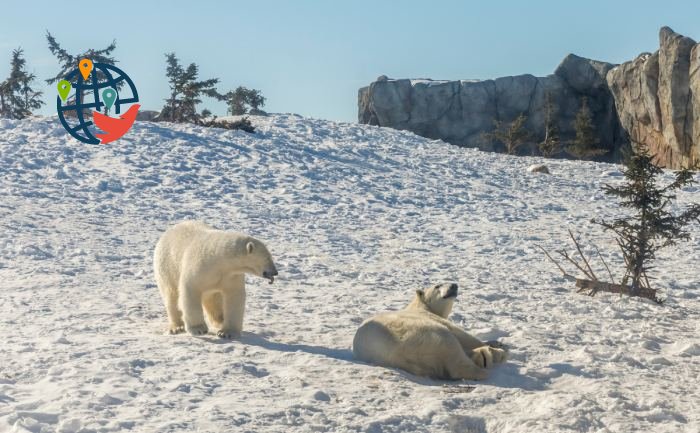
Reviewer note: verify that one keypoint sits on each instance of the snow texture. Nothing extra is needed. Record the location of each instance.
(357, 217)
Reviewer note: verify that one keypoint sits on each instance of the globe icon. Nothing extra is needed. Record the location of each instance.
(74, 114)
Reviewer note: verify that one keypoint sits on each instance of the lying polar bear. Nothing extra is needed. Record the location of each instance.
(420, 340)
(196, 265)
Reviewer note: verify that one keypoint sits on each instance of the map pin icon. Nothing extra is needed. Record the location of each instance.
(64, 87)
(109, 95)
(85, 67)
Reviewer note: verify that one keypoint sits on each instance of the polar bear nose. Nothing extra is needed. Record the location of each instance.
(451, 292)
(270, 274)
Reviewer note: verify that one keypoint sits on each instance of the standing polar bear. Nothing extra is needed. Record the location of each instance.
(420, 340)
(198, 266)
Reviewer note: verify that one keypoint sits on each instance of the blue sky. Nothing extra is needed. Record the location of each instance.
(310, 57)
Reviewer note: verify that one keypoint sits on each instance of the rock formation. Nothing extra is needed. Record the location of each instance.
(652, 100)
(460, 112)
(657, 97)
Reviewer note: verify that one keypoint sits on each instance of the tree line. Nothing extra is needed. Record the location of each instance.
(585, 144)
(18, 98)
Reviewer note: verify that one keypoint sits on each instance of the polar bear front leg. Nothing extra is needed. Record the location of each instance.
(459, 366)
(468, 342)
(483, 354)
(234, 307)
(192, 313)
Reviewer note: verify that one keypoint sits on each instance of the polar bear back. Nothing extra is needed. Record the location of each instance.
(412, 340)
(189, 245)
(171, 248)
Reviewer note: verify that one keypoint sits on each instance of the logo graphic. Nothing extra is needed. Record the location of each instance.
(100, 87)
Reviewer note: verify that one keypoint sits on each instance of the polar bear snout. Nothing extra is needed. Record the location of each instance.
(450, 292)
(270, 274)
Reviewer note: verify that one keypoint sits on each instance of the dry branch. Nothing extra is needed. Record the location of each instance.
(594, 287)
(591, 285)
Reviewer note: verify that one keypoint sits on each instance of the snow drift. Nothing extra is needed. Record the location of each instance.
(356, 217)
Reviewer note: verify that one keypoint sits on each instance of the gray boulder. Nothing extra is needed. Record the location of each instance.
(583, 75)
(147, 115)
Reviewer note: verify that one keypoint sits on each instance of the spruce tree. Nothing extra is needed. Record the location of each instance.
(240, 99)
(68, 61)
(185, 92)
(585, 143)
(17, 97)
(256, 100)
(652, 226)
(550, 145)
(512, 134)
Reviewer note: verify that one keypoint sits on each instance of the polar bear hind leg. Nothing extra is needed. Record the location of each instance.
(169, 295)
(487, 356)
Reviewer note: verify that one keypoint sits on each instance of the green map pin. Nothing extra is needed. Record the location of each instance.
(64, 87)
(109, 95)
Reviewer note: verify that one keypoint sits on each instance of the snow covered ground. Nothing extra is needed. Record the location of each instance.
(356, 217)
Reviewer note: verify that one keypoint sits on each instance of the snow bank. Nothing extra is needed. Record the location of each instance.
(357, 217)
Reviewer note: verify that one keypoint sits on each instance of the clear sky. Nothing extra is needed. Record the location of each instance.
(310, 57)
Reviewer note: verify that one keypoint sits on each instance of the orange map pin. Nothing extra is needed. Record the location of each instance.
(85, 67)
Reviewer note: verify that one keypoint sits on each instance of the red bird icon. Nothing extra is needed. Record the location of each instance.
(114, 127)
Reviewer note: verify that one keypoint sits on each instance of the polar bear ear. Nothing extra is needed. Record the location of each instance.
(249, 247)
(420, 293)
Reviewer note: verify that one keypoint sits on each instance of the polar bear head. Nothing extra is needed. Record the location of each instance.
(253, 257)
(437, 299)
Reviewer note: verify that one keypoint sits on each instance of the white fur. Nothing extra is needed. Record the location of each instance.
(198, 266)
(420, 340)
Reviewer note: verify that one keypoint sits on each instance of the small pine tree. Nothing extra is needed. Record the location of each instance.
(256, 100)
(69, 62)
(585, 142)
(551, 143)
(652, 226)
(17, 97)
(185, 92)
(236, 101)
(512, 134)
(240, 99)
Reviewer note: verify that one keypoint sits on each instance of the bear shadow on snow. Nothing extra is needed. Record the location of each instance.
(508, 375)
(339, 354)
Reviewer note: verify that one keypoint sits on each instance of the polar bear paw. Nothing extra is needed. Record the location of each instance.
(486, 356)
(178, 329)
(197, 329)
(228, 334)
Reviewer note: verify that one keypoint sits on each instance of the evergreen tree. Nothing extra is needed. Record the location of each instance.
(652, 226)
(585, 142)
(550, 145)
(512, 134)
(236, 101)
(185, 92)
(17, 98)
(69, 62)
(240, 99)
(256, 100)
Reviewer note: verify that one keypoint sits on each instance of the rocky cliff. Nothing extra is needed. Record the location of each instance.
(649, 100)
(657, 97)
